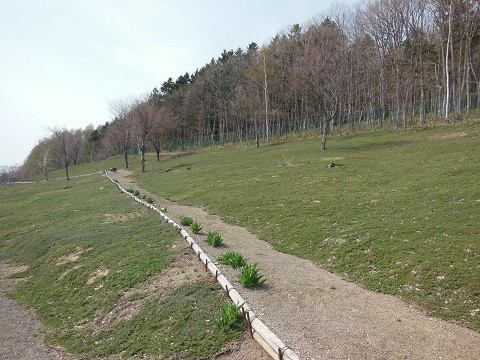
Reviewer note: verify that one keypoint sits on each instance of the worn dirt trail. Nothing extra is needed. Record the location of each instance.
(319, 314)
(20, 331)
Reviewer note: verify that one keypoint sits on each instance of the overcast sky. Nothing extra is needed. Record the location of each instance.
(62, 60)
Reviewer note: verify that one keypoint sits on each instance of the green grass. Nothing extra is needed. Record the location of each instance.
(186, 221)
(400, 215)
(42, 223)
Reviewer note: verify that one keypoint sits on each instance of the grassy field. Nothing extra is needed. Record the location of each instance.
(400, 214)
(86, 247)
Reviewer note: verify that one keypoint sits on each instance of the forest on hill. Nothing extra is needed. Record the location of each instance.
(375, 64)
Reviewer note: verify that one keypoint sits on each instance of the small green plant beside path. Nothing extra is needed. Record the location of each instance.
(249, 276)
(196, 228)
(214, 239)
(186, 221)
(233, 259)
(229, 316)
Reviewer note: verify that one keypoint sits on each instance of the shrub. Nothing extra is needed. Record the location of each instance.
(149, 200)
(186, 221)
(143, 196)
(130, 190)
(228, 317)
(136, 192)
(233, 259)
(214, 238)
(249, 276)
(163, 209)
(196, 227)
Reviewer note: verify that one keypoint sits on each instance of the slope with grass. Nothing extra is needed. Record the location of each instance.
(399, 215)
(104, 276)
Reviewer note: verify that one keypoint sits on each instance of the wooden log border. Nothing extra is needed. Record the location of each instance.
(270, 342)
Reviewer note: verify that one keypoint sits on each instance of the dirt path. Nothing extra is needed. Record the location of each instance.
(322, 316)
(20, 331)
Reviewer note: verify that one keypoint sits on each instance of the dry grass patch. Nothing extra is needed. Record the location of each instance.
(97, 274)
(122, 217)
(8, 268)
(70, 257)
(453, 135)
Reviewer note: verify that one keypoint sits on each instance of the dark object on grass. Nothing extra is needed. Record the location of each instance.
(188, 168)
(113, 169)
(66, 187)
(167, 170)
(332, 165)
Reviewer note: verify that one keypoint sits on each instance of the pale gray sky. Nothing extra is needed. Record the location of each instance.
(62, 60)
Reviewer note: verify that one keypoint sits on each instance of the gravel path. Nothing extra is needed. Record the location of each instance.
(319, 314)
(20, 331)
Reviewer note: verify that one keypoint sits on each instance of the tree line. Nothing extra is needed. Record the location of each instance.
(375, 64)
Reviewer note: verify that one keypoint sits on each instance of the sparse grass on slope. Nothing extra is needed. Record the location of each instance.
(400, 214)
(85, 246)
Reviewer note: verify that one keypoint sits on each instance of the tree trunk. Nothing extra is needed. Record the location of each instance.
(447, 70)
(125, 156)
(325, 133)
(143, 157)
(66, 171)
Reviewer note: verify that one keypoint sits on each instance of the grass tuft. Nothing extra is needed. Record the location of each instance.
(228, 317)
(233, 259)
(249, 276)
(214, 238)
(186, 221)
(196, 228)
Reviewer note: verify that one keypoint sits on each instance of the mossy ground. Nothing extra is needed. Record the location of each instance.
(80, 263)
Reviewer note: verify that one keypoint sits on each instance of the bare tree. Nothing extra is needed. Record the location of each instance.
(318, 73)
(62, 139)
(163, 122)
(119, 133)
(142, 125)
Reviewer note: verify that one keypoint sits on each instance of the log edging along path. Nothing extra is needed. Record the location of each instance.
(270, 342)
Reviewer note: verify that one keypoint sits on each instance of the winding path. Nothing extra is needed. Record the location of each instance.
(319, 314)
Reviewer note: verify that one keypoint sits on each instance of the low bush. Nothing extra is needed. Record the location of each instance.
(249, 276)
(214, 238)
(186, 221)
(143, 196)
(233, 259)
(149, 200)
(136, 192)
(163, 209)
(130, 190)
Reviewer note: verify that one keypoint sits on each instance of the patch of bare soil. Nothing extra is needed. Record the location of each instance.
(97, 274)
(322, 316)
(122, 217)
(70, 257)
